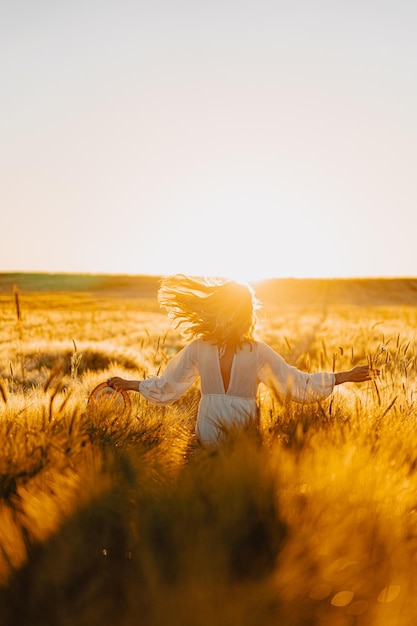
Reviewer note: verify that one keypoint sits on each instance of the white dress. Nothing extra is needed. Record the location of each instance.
(252, 364)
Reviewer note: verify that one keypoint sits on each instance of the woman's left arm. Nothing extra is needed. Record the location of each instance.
(179, 375)
(121, 384)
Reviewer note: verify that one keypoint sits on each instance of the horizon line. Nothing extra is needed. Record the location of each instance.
(158, 275)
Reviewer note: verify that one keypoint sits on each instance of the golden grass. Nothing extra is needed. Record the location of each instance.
(124, 520)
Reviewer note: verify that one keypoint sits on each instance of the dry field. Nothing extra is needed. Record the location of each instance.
(122, 520)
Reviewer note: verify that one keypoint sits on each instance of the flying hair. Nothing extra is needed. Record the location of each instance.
(217, 310)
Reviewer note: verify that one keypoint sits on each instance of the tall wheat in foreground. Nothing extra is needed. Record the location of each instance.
(108, 519)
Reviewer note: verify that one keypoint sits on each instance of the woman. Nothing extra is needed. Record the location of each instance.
(220, 318)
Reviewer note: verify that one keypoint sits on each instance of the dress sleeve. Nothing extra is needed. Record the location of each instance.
(180, 373)
(289, 381)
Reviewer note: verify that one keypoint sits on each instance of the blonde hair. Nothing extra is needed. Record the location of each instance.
(216, 310)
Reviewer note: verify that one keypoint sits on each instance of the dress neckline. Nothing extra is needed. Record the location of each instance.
(226, 359)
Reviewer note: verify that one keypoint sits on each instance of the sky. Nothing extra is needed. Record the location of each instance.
(239, 138)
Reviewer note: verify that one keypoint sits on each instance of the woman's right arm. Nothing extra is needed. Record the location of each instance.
(289, 381)
(359, 374)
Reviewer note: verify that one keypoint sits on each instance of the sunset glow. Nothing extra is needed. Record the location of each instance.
(174, 138)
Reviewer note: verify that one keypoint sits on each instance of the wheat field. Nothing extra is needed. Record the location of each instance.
(123, 519)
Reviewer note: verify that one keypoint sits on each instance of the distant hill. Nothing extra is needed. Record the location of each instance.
(118, 285)
(288, 291)
(349, 291)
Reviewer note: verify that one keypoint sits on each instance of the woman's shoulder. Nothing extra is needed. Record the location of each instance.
(251, 345)
(265, 351)
(203, 345)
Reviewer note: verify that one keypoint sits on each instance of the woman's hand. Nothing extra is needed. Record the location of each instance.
(359, 374)
(121, 384)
